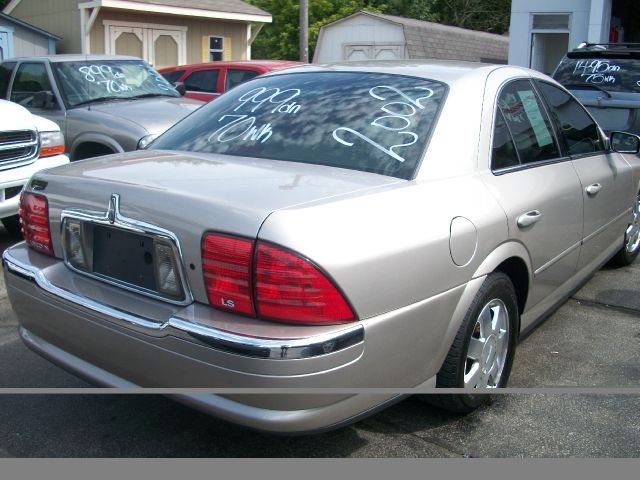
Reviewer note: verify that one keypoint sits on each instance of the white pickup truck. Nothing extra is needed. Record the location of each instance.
(28, 144)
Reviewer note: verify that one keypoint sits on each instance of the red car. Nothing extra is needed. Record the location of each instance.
(206, 81)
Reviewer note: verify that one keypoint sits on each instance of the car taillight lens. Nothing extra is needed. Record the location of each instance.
(34, 218)
(287, 287)
(290, 288)
(226, 265)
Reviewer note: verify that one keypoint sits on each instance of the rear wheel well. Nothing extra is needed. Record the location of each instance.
(91, 149)
(516, 270)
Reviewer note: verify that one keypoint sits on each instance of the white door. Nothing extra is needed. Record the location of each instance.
(126, 41)
(547, 49)
(161, 46)
(165, 47)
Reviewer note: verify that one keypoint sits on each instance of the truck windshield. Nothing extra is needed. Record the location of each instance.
(91, 81)
(371, 122)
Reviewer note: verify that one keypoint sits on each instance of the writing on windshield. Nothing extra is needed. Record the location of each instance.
(82, 82)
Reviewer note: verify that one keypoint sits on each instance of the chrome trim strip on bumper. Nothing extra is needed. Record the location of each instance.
(254, 347)
(273, 349)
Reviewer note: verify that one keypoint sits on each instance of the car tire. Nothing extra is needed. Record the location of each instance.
(482, 352)
(631, 246)
(12, 225)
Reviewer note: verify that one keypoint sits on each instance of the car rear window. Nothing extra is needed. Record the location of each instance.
(611, 74)
(371, 122)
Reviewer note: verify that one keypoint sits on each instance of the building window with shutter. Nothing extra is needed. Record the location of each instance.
(216, 48)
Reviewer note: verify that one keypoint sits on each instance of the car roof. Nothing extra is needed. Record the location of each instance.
(616, 50)
(447, 71)
(75, 58)
(269, 64)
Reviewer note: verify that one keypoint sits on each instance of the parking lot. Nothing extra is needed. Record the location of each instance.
(592, 341)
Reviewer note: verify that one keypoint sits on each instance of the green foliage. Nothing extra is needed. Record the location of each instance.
(280, 40)
(486, 15)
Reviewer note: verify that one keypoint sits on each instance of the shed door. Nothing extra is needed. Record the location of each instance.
(127, 41)
(166, 48)
(161, 47)
(355, 53)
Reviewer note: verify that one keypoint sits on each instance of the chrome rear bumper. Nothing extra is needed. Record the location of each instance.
(254, 347)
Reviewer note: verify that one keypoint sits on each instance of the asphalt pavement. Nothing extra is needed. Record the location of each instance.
(593, 340)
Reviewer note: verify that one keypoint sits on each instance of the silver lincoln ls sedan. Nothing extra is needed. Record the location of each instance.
(379, 225)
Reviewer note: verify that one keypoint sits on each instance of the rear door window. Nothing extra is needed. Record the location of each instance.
(577, 130)
(236, 77)
(172, 76)
(504, 152)
(30, 79)
(202, 81)
(527, 122)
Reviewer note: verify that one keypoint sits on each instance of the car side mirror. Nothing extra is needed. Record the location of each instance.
(623, 142)
(44, 100)
(180, 88)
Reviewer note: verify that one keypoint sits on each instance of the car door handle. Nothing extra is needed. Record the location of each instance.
(593, 189)
(529, 218)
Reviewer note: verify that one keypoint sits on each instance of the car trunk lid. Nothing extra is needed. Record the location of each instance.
(190, 194)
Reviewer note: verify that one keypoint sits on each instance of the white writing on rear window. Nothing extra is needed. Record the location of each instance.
(399, 118)
(243, 127)
(596, 71)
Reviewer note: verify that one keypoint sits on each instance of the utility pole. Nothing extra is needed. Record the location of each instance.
(304, 31)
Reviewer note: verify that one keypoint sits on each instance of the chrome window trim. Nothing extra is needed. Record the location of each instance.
(527, 166)
(113, 218)
(254, 347)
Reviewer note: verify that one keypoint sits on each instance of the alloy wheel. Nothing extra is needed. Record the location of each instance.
(488, 347)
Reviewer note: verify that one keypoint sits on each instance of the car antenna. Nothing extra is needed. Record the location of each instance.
(86, 64)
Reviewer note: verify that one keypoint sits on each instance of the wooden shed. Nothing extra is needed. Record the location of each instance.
(20, 39)
(375, 36)
(162, 32)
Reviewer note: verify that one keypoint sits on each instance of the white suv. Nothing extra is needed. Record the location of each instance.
(28, 144)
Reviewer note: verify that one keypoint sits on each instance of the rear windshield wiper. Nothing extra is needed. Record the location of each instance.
(587, 85)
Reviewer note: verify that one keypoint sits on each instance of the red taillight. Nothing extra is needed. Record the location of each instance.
(287, 287)
(34, 218)
(226, 264)
(292, 289)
